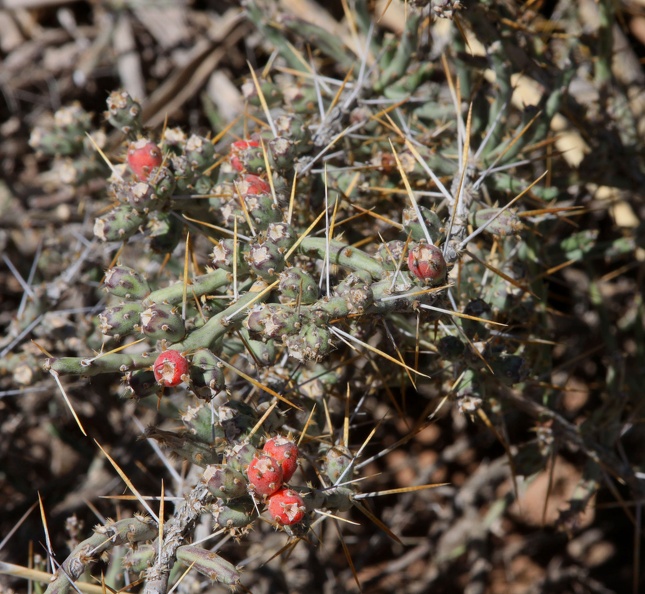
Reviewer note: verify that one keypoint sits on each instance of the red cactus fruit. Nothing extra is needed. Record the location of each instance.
(427, 263)
(265, 474)
(236, 148)
(286, 507)
(169, 367)
(285, 453)
(252, 184)
(143, 157)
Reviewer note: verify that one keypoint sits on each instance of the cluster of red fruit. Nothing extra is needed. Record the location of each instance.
(267, 473)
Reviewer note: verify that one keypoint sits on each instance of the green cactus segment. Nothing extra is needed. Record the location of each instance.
(264, 353)
(357, 292)
(273, 321)
(200, 153)
(342, 255)
(206, 374)
(297, 286)
(112, 363)
(265, 259)
(225, 482)
(153, 194)
(209, 564)
(222, 257)
(163, 321)
(337, 462)
(203, 337)
(67, 135)
(126, 283)
(235, 514)
(406, 47)
(112, 534)
(313, 343)
(119, 224)
(239, 456)
(124, 113)
(202, 422)
(186, 446)
(498, 222)
(139, 559)
(432, 222)
(120, 320)
(262, 209)
(198, 287)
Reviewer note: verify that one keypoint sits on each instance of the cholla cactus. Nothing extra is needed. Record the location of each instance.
(362, 232)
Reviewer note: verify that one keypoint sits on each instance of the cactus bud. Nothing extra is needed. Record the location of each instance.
(200, 421)
(126, 283)
(120, 320)
(292, 127)
(262, 209)
(312, 343)
(199, 153)
(222, 256)
(265, 259)
(140, 558)
(141, 197)
(510, 369)
(357, 291)
(234, 514)
(163, 321)
(272, 321)
(237, 419)
(224, 482)
(282, 235)
(119, 223)
(297, 285)
(283, 153)
(123, 112)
